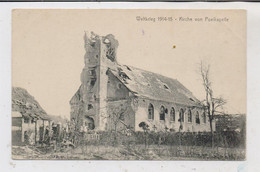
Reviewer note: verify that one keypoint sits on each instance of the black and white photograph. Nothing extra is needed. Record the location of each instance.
(92, 84)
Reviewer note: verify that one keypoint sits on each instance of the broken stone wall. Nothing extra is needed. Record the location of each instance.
(120, 114)
(116, 90)
(91, 99)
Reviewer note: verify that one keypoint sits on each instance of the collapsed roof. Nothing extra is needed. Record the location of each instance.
(24, 103)
(154, 86)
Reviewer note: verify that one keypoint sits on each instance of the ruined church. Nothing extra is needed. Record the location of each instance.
(117, 97)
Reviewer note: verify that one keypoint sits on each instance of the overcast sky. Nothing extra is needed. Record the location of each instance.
(48, 50)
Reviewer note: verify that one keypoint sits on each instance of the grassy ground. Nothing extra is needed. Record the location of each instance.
(130, 152)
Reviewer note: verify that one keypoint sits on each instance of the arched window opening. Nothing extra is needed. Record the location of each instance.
(172, 114)
(204, 117)
(181, 115)
(119, 85)
(197, 118)
(150, 112)
(90, 106)
(92, 72)
(189, 116)
(162, 113)
(91, 83)
(89, 123)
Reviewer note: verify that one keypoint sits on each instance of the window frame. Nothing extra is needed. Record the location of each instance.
(172, 115)
(204, 117)
(119, 85)
(181, 115)
(189, 116)
(150, 109)
(162, 113)
(26, 120)
(197, 118)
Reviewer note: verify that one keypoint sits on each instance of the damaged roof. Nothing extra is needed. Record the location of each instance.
(24, 103)
(154, 86)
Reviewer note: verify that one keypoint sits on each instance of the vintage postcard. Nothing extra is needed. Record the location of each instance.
(128, 84)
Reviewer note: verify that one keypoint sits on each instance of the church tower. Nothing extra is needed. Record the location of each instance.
(89, 104)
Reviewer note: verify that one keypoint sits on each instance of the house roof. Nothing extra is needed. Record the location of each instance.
(25, 104)
(154, 86)
(16, 114)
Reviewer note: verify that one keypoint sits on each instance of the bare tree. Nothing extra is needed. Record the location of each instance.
(211, 104)
(116, 115)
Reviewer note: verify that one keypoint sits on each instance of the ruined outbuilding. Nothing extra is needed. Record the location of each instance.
(28, 118)
(119, 97)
